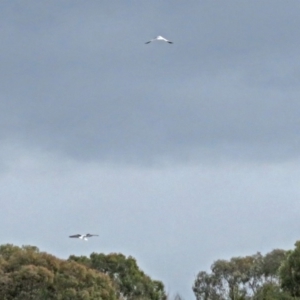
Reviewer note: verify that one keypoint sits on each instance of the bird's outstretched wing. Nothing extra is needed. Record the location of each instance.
(89, 235)
(75, 236)
(159, 38)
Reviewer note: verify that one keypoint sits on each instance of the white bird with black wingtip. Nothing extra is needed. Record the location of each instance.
(83, 236)
(159, 38)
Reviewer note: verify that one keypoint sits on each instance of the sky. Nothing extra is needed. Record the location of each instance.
(176, 154)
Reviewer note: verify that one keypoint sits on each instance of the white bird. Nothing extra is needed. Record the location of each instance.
(83, 236)
(159, 38)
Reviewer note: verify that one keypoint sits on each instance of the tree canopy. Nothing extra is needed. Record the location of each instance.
(290, 271)
(251, 277)
(129, 281)
(26, 273)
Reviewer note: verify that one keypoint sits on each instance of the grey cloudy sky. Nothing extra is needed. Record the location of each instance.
(175, 154)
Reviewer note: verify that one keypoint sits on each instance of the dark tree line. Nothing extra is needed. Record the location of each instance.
(274, 276)
(28, 274)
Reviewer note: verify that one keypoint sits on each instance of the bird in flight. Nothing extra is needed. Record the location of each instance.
(159, 38)
(83, 236)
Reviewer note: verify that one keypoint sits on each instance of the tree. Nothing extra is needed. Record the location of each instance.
(130, 282)
(271, 264)
(290, 271)
(231, 276)
(271, 291)
(26, 273)
(208, 287)
(240, 278)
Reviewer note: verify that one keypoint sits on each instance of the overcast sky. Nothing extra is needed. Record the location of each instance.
(175, 154)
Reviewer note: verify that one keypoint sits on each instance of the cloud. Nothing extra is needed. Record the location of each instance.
(87, 86)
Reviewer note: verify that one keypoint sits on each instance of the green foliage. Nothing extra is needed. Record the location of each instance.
(208, 287)
(290, 272)
(242, 278)
(272, 262)
(271, 291)
(27, 273)
(130, 282)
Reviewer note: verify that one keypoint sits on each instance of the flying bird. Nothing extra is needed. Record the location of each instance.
(159, 38)
(83, 236)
